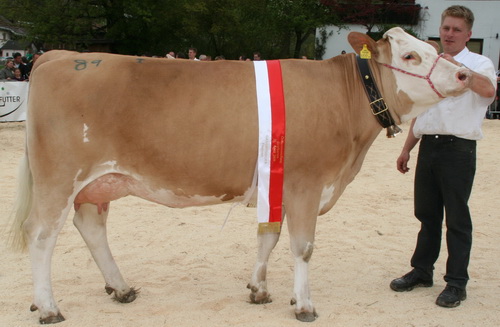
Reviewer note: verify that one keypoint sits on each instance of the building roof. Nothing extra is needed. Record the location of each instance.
(5, 24)
(15, 45)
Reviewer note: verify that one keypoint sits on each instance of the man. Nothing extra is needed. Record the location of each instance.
(29, 66)
(18, 63)
(256, 56)
(446, 165)
(192, 53)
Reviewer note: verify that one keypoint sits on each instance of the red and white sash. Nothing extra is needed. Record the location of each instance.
(271, 107)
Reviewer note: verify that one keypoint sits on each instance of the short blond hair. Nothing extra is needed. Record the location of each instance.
(459, 12)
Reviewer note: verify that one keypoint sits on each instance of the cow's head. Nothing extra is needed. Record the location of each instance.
(422, 76)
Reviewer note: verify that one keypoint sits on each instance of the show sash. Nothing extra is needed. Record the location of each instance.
(270, 165)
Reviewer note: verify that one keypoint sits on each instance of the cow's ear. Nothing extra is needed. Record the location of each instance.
(358, 40)
(435, 45)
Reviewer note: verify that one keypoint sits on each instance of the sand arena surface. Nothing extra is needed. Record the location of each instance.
(193, 274)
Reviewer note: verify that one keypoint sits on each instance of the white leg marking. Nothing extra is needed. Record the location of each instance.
(92, 227)
(258, 283)
(42, 238)
(304, 308)
(301, 285)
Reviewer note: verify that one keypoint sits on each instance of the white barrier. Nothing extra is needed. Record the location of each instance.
(13, 101)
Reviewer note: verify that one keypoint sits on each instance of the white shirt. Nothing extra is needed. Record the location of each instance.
(463, 115)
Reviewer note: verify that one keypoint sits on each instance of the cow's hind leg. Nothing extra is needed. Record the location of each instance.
(41, 234)
(91, 222)
(258, 284)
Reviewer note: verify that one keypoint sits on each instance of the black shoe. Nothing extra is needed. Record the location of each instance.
(451, 297)
(409, 282)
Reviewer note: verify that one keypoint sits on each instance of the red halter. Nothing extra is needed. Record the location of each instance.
(427, 77)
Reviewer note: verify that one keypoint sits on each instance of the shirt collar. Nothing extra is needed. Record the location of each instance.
(462, 54)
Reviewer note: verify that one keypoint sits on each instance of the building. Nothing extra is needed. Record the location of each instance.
(10, 36)
(485, 34)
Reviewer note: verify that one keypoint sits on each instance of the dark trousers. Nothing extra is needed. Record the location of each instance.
(444, 175)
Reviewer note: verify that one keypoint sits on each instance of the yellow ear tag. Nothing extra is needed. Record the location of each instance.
(365, 53)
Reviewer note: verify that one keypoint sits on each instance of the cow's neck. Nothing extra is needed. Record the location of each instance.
(359, 104)
(364, 127)
(397, 103)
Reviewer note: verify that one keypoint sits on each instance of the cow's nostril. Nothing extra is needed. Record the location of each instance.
(463, 75)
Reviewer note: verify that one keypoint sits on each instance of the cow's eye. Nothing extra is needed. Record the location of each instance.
(408, 56)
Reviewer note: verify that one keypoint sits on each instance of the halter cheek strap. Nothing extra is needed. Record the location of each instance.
(426, 77)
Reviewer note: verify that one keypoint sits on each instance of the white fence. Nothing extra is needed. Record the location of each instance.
(13, 101)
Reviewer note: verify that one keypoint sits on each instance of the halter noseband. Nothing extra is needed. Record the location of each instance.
(427, 77)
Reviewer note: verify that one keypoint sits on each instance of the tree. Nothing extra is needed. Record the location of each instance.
(277, 28)
(371, 13)
(298, 21)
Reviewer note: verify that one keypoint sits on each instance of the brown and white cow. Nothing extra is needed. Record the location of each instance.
(102, 126)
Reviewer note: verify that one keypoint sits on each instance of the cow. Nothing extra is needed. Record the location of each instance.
(101, 127)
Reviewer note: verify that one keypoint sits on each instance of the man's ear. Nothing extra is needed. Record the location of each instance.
(435, 45)
(358, 40)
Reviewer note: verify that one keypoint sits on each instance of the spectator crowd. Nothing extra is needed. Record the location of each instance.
(18, 68)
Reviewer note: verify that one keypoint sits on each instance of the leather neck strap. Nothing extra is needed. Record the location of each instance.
(377, 104)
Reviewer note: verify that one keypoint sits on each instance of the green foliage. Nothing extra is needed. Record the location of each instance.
(276, 28)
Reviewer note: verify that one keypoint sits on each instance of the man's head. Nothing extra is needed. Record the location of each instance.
(36, 56)
(18, 58)
(192, 53)
(456, 29)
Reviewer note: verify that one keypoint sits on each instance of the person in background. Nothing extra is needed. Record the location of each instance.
(256, 56)
(7, 73)
(18, 63)
(446, 165)
(18, 76)
(192, 54)
(29, 66)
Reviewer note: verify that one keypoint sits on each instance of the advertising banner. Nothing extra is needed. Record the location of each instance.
(13, 101)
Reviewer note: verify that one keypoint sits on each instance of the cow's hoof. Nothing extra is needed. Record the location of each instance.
(257, 297)
(52, 319)
(306, 316)
(260, 299)
(127, 297)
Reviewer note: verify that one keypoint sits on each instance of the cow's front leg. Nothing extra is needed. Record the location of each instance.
(302, 229)
(91, 222)
(304, 309)
(258, 284)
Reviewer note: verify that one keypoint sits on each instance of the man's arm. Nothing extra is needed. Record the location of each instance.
(404, 157)
(478, 83)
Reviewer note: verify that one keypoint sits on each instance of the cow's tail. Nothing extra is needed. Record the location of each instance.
(22, 206)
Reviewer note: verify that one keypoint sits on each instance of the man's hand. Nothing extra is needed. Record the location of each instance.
(402, 162)
(476, 82)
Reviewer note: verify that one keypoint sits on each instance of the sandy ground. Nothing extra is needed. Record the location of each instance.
(192, 273)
